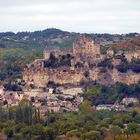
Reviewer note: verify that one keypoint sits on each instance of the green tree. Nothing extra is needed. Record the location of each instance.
(86, 106)
(92, 135)
(132, 128)
(9, 132)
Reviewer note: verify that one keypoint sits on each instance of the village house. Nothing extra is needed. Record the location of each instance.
(104, 107)
(132, 55)
(116, 107)
(128, 100)
(71, 91)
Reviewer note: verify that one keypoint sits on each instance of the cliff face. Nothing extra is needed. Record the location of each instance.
(127, 78)
(59, 76)
(68, 76)
(113, 76)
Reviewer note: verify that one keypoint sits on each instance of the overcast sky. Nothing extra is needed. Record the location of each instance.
(91, 16)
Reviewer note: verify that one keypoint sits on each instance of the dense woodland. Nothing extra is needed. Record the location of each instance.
(24, 122)
(111, 94)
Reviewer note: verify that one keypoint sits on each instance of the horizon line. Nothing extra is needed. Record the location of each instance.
(77, 32)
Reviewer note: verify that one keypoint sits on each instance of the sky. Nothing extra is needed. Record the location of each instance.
(85, 16)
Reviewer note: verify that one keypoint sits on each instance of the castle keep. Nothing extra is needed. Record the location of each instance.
(85, 47)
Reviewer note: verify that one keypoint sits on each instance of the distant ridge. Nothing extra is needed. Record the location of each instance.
(54, 33)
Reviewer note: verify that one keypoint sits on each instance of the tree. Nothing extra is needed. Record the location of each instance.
(26, 132)
(92, 93)
(121, 137)
(86, 106)
(134, 137)
(92, 135)
(9, 132)
(2, 76)
(73, 134)
(132, 128)
(115, 130)
(108, 138)
(50, 134)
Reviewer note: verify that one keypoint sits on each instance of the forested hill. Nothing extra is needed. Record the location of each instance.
(19, 49)
(52, 33)
(55, 37)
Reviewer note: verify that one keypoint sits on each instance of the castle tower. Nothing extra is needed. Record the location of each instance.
(85, 47)
(51, 50)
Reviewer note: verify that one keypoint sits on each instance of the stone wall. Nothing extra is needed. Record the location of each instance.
(59, 76)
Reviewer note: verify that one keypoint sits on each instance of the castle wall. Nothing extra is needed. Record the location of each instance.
(41, 79)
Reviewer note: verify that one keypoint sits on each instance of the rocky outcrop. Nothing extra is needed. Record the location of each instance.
(82, 65)
(59, 76)
(127, 78)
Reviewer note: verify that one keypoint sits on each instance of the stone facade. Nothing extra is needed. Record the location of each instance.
(85, 47)
(52, 50)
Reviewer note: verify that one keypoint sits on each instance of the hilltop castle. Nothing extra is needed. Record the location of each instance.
(38, 74)
(83, 47)
(82, 64)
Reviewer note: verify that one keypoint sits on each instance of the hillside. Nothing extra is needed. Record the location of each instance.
(19, 49)
(131, 44)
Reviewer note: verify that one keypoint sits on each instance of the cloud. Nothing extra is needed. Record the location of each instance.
(113, 16)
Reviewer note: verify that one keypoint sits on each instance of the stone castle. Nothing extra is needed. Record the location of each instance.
(85, 47)
(76, 66)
